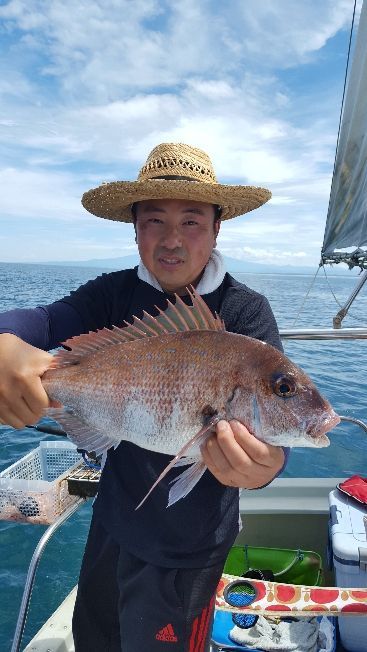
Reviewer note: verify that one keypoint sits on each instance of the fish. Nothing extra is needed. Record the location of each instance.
(164, 382)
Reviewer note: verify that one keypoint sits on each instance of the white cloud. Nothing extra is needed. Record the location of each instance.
(211, 90)
(286, 33)
(99, 48)
(38, 194)
(281, 199)
(89, 88)
(267, 256)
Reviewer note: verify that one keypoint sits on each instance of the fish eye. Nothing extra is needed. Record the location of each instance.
(284, 386)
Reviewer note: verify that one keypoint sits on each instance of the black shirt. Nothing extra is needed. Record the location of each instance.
(199, 529)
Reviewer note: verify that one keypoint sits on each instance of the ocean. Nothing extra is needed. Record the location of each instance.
(338, 368)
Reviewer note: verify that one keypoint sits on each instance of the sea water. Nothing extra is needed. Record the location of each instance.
(337, 367)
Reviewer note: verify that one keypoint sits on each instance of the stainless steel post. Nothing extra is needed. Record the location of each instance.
(323, 333)
(337, 321)
(32, 572)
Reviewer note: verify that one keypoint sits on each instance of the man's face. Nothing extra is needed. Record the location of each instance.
(175, 239)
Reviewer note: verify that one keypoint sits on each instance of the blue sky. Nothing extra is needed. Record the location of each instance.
(89, 87)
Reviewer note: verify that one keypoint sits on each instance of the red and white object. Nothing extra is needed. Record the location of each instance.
(273, 598)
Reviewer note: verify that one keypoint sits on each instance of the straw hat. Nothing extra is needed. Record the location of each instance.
(173, 171)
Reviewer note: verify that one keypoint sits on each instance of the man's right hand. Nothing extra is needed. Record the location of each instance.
(22, 396)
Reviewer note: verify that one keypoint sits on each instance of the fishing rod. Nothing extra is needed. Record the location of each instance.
(52, 430)
(89, 458)
(49, 430)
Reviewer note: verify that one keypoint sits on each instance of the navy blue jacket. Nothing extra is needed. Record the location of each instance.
(199, 529)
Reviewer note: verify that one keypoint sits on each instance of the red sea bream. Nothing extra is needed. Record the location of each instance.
(163, 382)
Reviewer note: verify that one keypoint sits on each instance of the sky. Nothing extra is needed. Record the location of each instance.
(89, 87)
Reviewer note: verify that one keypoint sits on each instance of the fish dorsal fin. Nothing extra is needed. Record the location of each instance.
(177, 317)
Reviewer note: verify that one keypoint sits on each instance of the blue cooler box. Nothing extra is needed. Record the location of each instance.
(348, 534)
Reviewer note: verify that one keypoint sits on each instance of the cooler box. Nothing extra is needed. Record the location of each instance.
(348, 533)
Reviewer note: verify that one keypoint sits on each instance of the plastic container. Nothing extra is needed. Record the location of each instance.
(348, 533)
(34, 489)
(223, 625)
(289, 566)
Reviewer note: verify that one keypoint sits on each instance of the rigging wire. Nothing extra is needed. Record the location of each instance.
(361, 321)
(343, 94)
(306, 297)
(351, 315)
(334, 166)
(330, 288)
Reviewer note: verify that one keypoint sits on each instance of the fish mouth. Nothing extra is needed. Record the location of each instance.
(316, 432)
(321, 441)
(305, 435)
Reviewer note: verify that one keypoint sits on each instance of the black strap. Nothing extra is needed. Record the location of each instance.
(174, 177)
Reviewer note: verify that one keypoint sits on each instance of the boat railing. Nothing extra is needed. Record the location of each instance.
(23, 610)
(323, 333)
(328, 334)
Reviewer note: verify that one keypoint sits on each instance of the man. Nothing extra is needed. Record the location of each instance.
(148, 577)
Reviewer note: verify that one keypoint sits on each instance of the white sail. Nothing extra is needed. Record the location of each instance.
(345, 236)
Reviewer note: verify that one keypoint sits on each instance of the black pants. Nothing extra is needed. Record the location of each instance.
(126, 605)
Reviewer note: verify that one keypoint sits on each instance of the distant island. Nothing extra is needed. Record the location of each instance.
(232, 265)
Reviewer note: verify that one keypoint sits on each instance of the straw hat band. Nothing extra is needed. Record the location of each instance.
(173, 171)
(175, 177)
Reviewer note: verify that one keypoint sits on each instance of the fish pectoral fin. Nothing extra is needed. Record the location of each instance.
(182, 485)
(186, 461)
(90, 440)
(196, 441)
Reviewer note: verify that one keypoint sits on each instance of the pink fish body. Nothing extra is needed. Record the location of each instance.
(162, 383)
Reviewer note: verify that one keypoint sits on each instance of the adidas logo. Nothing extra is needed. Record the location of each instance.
(167, 634)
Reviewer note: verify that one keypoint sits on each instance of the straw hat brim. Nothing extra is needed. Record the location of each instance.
(113, 201)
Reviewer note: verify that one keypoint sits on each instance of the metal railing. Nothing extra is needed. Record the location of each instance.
(328, 334)
(23, 610)
(323, 333)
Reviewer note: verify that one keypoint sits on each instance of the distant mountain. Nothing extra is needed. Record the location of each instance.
(232, 265)
(124, 262)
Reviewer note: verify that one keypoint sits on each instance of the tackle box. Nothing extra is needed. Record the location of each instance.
(348, 542)
(34, 489)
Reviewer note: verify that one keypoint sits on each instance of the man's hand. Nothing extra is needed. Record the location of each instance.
(22, 396)
(238, 459)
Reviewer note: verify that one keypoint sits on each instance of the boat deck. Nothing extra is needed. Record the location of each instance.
(289, 513)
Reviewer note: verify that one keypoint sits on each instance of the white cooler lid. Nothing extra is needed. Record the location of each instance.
(347, 516)
(348, 528)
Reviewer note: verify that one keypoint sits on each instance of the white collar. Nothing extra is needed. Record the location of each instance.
(211, 279)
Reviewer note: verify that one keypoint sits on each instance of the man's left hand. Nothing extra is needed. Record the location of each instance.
(238, 459)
